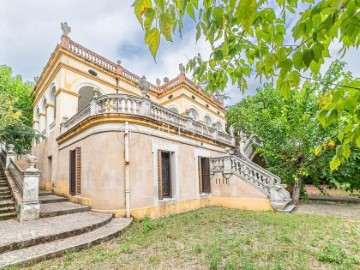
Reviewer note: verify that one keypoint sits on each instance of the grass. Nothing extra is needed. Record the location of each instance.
(218, 238)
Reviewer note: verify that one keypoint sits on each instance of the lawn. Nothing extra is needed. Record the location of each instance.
(218, 238)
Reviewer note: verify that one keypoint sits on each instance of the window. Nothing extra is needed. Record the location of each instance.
(207, 120)
(193, 114)
(164, 175)
(75, 171)
(219, 126)
(174, 109)
(204, 174)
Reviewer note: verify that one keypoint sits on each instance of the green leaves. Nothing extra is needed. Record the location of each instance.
(140, 7)
(152, 39)
(246, 12)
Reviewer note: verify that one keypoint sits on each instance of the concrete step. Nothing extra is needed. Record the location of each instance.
(57, 248)
(61, 208)
(16, 235)
(288, 209)
(6, 216)
(5, 197)
(335, 199)
(45, 192)
(7, 209)
(52, 199)
(5, 193)
(6, 203)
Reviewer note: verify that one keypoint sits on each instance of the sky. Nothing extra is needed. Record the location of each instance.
(30, 31)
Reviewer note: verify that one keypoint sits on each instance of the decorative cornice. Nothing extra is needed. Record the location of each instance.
(49, 105)
(65, 91)
(42, 114)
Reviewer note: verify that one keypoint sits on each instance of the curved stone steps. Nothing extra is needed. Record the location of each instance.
(61, 208)
(59, 247)
(17, 235)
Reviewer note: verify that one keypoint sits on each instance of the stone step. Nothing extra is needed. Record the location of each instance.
(5, 192)
(45, 192)
(6, 203)
(4, 188)
(7, 209)
(336, 199)
(5, 197)
(3, 184)
(57, 248)
(51, 199)
(288, 209)
(61, 208)
(6, 216)
(16, 235)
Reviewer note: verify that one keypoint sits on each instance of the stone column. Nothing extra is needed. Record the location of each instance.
(30, 206)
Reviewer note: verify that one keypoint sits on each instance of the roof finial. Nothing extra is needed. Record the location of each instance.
(65, 28)
(182, 68)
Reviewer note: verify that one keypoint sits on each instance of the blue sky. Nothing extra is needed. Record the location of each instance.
(30, 30)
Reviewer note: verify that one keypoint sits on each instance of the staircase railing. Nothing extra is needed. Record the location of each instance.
(24, 184)
(246, 170)
(133, 105)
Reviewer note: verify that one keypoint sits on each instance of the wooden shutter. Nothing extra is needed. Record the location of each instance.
(205, 168)
(160, 194)
(72, 165)
(166, 174)
(78, 170)
(200, 175)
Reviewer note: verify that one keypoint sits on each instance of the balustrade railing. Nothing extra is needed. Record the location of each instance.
(128, 104)
(246, 170)
(17, 174)
(113, 67)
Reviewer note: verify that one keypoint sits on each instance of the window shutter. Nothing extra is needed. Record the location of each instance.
(200, 175)
(78, 170)
(160, 194)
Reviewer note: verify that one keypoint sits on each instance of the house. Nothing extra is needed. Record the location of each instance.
(120, 144)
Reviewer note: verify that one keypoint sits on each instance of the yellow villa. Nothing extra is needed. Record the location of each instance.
(120, 144)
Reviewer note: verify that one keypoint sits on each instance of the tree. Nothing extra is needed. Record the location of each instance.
(16, 111)
(258, 36)
(290, 131)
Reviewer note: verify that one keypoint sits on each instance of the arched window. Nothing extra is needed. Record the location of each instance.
(42, 114)
(86, 94)
(52, 99)
(219, 126)
(193, 114)
(207, 120)
(174, 109)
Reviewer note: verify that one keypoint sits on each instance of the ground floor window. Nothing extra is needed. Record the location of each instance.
(204, 175)
(75, 171)
(164, 174)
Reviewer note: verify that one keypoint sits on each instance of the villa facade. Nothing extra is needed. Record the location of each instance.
(116, 142)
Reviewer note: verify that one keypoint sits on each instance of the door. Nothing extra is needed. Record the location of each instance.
(72, 172)
(205, 175)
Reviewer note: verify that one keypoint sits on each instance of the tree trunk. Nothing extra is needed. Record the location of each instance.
(297, 189)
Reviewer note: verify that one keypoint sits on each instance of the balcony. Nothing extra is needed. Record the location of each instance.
(132, 106)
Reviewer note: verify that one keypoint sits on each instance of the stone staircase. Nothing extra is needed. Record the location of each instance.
(63, 226)
(7, 204)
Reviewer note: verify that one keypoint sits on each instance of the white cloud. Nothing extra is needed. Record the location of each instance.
(30, 30)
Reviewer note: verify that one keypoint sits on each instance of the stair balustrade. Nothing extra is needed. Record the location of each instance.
(23, 183)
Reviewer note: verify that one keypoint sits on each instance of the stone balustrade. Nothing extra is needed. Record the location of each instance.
(133, 105)
(23, 183)
(246, 170)
(89, 55)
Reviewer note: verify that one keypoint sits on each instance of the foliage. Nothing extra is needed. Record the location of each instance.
(16, 111)
(274, 39)
(290, 132)
(341, 107)
(254, 35)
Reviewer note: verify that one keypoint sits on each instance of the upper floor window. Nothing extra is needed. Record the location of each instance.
(86, 94)
(219, 126)
(193, 114)
(207, 120)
